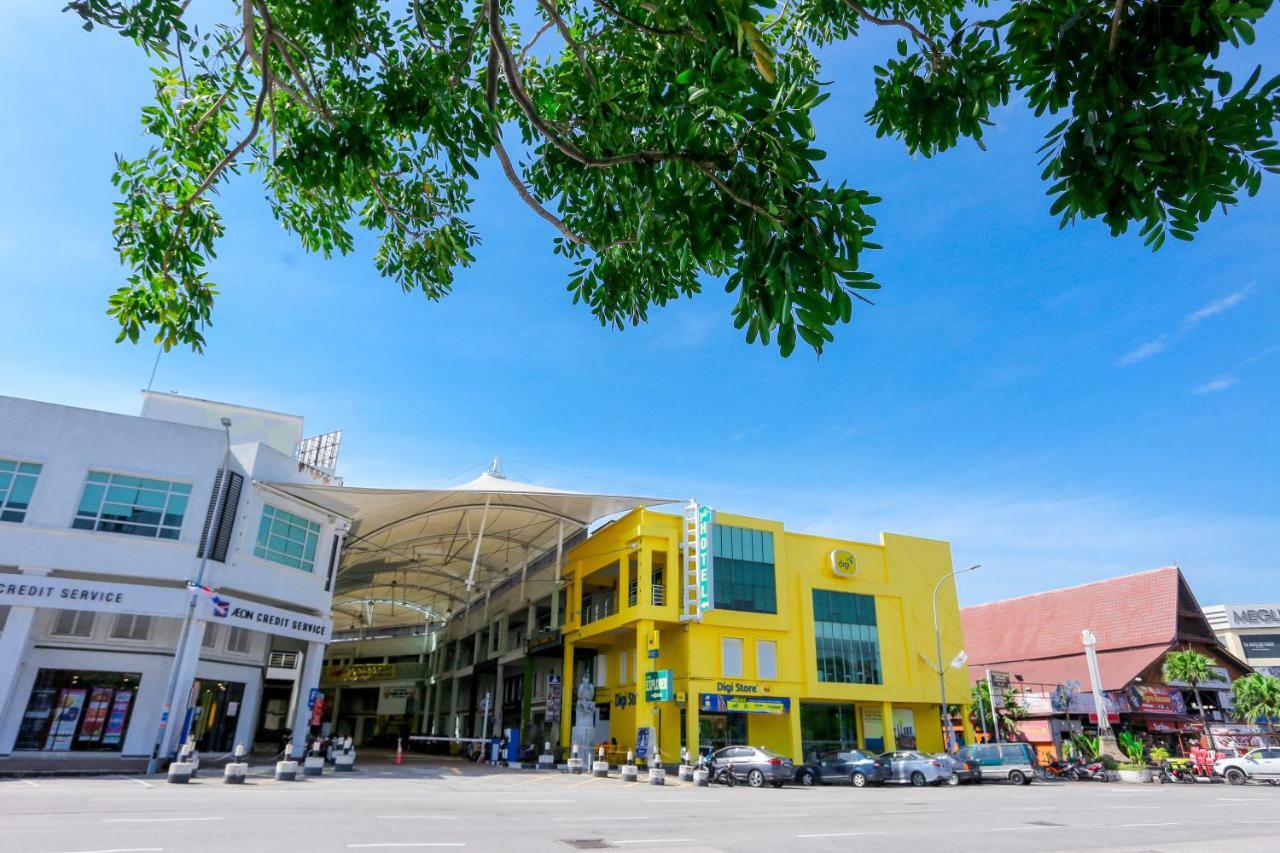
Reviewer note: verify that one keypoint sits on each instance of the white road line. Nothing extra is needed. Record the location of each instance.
(155, 819)
(351, 847)
(769, 815)
(29, 782)
(604, 817)
(1245, 799)
(1130, 808)
(416, 817)
(677, 799)
(1263, 820)
(122, 850)
(836, 834)
(652, 841)
(137, 781)
(1027, 826)
(1167, 823)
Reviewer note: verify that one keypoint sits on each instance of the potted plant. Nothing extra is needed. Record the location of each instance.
(1135, 769)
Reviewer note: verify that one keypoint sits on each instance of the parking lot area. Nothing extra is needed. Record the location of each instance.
(441, 804)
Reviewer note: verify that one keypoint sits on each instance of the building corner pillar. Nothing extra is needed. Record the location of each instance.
(886, 723)
(308, 681)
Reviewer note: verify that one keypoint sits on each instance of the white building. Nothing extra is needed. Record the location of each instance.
(104, 519)
(1250, 632)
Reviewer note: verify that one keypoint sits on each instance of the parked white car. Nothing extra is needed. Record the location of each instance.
(1262, 764)
(913, 768)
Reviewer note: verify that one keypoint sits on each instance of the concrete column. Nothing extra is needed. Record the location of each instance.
(494, 726)
(180, 701)
(644, 710)
(860, 727)
(309, 679)
(644, 576)
(970, 737)
(566, 696)
(692, 735)
(13, 650)
(886, 716)
(555, 606)
(797, 733)
(452, 730)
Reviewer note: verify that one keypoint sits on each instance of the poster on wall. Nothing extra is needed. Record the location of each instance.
(873, 728)
(553, 698)
(95, 714)
(114, 730)
(36, 719)
(904, 728)
(66, 715)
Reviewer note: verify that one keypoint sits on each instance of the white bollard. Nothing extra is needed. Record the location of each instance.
(234, 773)
(600, 767)
(180, 772)
(686, 773)
(575, 763)
(701, 778)
(313, 765)
(657, 776)
(629, 773)
(286, 771)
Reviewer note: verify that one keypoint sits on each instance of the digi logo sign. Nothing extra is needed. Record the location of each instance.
(843, 563)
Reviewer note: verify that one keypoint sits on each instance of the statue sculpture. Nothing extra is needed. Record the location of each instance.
(586, 707)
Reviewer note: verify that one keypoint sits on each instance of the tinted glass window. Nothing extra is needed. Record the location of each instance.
(846, 636)
(744, 570)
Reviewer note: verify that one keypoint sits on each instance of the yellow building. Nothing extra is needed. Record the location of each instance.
(810, 644)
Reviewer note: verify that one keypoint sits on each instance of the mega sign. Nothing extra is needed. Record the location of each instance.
(1252, 616)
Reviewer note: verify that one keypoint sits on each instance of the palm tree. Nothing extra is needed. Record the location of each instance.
(1256, 696)
(1192, 668)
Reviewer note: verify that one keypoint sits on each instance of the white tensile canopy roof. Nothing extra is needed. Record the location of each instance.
(425, 553)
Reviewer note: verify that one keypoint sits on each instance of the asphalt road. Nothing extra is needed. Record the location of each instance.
(429, 805)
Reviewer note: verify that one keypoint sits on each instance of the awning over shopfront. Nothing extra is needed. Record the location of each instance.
(428, 553)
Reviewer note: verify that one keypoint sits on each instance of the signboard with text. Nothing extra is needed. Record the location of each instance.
(721, 703)
(657, 686)
(706, 557)
(265, 618)
(98, 596)
(1260, 646)
(1253, 615)
(553, 698)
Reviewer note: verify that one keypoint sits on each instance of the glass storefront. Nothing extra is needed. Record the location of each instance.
(215, 714)
(71, 710)
(827, 728)
(720, 730)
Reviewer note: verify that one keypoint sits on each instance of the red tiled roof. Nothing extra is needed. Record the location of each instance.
(1117, 668)
(1124, 613)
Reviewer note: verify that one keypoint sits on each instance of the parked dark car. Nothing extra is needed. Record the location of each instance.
(852, 767)
(964, 771)
(754, 765)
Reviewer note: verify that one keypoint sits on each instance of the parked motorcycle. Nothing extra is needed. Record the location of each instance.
(1087, 772)
(1060, 769)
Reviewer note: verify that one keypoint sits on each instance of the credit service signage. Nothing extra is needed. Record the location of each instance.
(69, 594)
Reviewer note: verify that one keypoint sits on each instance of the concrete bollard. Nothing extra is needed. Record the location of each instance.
(686, 773)
(313, 765)
(600, 769)
(180, 772)
(286, 771)
(629, 773)
(575, 763)
(344, 762)
(234, 773)
(701, 778)
(657, 776)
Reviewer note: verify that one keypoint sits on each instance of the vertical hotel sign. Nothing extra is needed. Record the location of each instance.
(706, 556)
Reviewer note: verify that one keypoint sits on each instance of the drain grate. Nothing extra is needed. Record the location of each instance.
(1042, 823)
(586, 843)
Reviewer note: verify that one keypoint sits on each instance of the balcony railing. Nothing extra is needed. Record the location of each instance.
(659, 594)
(601, 608)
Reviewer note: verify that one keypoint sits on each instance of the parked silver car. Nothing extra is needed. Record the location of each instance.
(915, 768)
(754, 765)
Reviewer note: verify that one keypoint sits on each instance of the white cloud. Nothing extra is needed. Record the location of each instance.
(1213, 386)
(1163, 342)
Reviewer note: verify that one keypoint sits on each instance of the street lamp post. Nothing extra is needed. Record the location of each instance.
(949, 733)
(179, 652)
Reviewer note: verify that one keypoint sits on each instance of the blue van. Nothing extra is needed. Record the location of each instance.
(1015, 762)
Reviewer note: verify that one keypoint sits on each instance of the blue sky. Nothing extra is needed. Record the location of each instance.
(1061, 406)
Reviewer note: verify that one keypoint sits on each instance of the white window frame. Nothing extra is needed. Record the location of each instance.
(210, 640)
(727, 645)
(602, 670)
(133, 619)
(769, 673)
(76, 618)
(248, 643)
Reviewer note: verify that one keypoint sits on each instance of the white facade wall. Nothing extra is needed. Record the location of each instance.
(175, 443)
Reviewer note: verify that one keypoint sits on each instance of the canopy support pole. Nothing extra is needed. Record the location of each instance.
(559, 550)
(475, 555)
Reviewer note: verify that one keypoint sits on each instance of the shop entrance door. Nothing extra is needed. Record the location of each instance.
(215, 715)
(716, 731)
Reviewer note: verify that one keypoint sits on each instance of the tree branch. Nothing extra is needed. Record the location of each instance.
(222, 99)
(524, 51)
(649, 28)
(550, 7)
(1114, 46)
(232, 154)
(916, 33)
(724, 187)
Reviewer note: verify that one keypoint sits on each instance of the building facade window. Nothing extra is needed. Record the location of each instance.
(17, 483)
(602, 671)
(731, 657)
(130, 626)
(847, 639)
(744, 570)
(116, 503)
(287, 539)
(238, 641)
(78, 710)
(210, 640)
(766, 660)
(73, 623)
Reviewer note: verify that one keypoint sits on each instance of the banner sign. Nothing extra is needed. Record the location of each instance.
(1253, 616)
(1154, 699)
(98, 596)
(706, 557)
(553, 698)
(721, 703)
(1258, 646)
(263, 617)
(645, 742)
(657, 686)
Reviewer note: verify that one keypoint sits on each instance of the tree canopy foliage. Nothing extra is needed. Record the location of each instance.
(664, 142)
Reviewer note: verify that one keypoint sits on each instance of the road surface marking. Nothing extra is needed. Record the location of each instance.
(836, 834)
(604, 817)
(408, 844)
(123, 850)
(1025, 826)
(770, 815)
(1167, 823)
(29, 782)
(652, 841)
(155, 819)
(416, 817)
(681, 800)
(137, 781)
